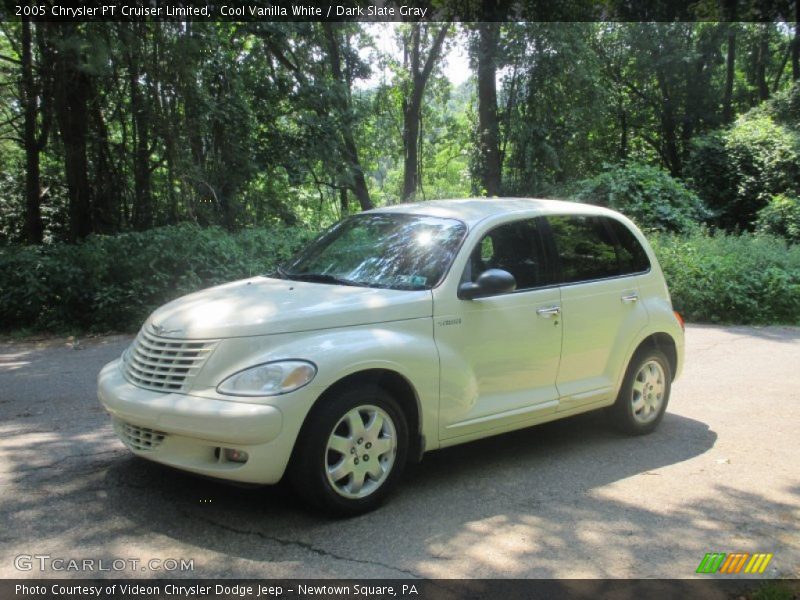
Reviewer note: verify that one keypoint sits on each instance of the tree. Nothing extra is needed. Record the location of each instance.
(664, 72)
(72, 90)
(419, 64)
(242, 124)
(762, 57)
(559, 111)
(729, 14)
(323, 103)
(135, 39)
(36, 130)
(488, 128)
(343, 92)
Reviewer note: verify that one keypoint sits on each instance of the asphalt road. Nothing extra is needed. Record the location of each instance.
(567, 499)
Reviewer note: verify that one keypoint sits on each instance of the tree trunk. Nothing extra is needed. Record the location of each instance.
(105, 208)
(34, 229)
(143, 200)
(410, 148)
(488, 129)
(779, 75)
(671, 153)
(359, 183)
(168, 108)
(730, 63)
(412, 106)
(71, 90)
(761, 65)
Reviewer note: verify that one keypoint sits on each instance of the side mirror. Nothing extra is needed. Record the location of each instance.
(490, 283)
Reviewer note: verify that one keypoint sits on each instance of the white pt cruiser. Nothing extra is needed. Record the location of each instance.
(399, 331)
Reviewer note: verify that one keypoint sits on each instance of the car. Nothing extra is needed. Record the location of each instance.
(399, 331)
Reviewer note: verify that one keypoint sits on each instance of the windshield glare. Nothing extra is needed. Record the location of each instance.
(397, 251)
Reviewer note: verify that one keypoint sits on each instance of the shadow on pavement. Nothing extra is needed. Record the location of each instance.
(450, 503)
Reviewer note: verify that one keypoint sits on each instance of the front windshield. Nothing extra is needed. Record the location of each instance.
(387, 250)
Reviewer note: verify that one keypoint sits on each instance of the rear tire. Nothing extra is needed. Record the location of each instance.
(644, 395)
(351, 451)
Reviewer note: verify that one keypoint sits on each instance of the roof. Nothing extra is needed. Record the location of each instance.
(473, 210)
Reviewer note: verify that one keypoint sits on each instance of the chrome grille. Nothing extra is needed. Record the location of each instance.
(164, 364)
(139, 438)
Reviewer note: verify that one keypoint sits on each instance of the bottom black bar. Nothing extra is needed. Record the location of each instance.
(378, 589)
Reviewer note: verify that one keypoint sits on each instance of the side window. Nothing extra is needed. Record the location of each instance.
(632, 257)
(585, 248)
(514, 247)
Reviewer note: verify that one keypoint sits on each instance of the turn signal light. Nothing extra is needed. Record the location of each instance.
(680, 319)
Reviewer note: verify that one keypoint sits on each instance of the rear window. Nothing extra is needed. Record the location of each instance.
(632, 257)
(591, 247)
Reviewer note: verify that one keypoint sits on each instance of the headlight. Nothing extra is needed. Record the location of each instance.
(269, 379)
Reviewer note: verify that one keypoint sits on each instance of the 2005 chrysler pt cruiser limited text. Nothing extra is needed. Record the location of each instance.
(399, 331)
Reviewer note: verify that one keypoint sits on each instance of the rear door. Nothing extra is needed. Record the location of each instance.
(601, 312)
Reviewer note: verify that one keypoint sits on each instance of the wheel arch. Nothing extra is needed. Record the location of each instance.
(665, 343)
(395, 384)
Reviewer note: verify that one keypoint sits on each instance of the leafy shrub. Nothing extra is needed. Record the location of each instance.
(738, 169)
(784, 107)
(649, 196)
(731, 279)
(781, 217)
(113, 283)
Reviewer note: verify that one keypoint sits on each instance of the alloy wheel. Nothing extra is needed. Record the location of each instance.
(361, 451)
(647, 394)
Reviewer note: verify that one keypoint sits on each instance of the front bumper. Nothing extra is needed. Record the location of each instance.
(187, 432)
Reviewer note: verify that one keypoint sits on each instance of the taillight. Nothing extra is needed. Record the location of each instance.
(680, 319)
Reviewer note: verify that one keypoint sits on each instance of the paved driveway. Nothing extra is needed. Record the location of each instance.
(567, 499)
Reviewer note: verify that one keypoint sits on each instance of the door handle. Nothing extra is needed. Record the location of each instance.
(548, 312)
(628, 298)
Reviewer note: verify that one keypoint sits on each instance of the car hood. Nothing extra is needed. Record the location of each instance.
(263, 306)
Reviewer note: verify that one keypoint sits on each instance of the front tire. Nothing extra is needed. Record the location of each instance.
(644, 395)
(351, 451)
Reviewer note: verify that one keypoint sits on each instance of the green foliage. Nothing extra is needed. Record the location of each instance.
(647, 195)
(556, 112)
(738, 169)
(112, 283)
(731, 279)
(781, 217)
(249, 125)
(785, 106)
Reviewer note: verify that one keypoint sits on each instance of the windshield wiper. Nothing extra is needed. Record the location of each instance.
(319, 278)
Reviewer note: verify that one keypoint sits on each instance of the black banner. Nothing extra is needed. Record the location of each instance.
(391, 10)
(409, 589)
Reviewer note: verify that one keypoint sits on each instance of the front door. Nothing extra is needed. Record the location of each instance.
(499, 355)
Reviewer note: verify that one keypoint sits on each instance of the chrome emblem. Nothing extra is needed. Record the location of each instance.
(161, 330)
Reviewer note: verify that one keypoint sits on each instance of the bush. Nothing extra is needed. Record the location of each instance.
(731, 279)
(781, 217)
(738, 169)
(649, 196)
(113, 283)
